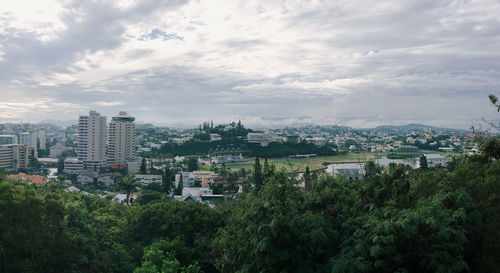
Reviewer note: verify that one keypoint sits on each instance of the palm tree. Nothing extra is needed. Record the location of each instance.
(127, 183)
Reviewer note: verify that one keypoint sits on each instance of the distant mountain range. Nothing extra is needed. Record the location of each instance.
(414, 127)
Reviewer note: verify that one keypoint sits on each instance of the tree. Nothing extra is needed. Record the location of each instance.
(423, 162)
(266, 170)
(166, 180)
(34, 163)
(239, 126)
(491, 147)
(178, 191)
(33, 237)
(143, 168)
(161, 257)
(307, 179)
(3, 174)
(60, 165)
(127, 183)
(274, 232)
(187, 227)
(223, 171)
(257, 175)
(192, 163)
(242, 173)
(494, 101)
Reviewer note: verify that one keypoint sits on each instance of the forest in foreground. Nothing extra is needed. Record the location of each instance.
(394, 220)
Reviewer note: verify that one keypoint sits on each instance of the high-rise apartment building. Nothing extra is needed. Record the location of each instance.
(29, 139)
(121, 139)
(8, 139)
(42, 140)
(91, 147)
(14, 157)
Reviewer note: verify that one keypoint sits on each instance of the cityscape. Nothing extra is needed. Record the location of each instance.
(91, 154)
(242, 136)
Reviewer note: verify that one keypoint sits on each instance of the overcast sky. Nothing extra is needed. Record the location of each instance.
(269, 63)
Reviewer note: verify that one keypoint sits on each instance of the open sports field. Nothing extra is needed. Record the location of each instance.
(314, 163)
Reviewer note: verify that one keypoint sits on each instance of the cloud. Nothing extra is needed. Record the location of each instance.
(109, 103)
(360, 63)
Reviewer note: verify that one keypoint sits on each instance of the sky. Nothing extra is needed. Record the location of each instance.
(267, 63)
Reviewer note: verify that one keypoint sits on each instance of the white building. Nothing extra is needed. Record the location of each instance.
(42, 140)
(153, 145)
(350, 171)
(317, 141)
(434, 160)
(215, 137)
(134, 165)
(179, 158)
(197, 193)
(121, 139)
(91, 148)
(261, 138)
(147, 179)
(180, 140)
(72, 165)
(30, 139)
(27, 138)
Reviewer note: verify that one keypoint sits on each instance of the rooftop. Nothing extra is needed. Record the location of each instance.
(36, 179)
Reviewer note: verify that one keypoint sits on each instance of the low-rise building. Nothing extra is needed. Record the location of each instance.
(215, 137)
(205, 178)
(134, 165)
(147, 179)
(196, 192)
(187, 180)
(30, 179)
(72, 165)
(89, 177)
(317, 141)
(350, 171)
(407, 148)
(434, 160)
(180, 140)
(260, 138)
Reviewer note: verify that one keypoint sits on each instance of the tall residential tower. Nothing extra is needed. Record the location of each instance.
(121, 139)
(91, 148)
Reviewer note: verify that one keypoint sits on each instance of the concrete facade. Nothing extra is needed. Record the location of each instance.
(121, 139)
(91, 148)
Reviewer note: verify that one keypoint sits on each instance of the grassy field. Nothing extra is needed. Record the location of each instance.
(300, 164)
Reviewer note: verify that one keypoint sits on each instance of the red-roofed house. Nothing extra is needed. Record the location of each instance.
(37, 179)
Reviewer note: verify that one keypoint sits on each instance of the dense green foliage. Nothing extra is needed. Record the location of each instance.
(33, 237)
(392, 220)
(273, 150)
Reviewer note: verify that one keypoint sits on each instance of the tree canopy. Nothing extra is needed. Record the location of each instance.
(394, 219)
